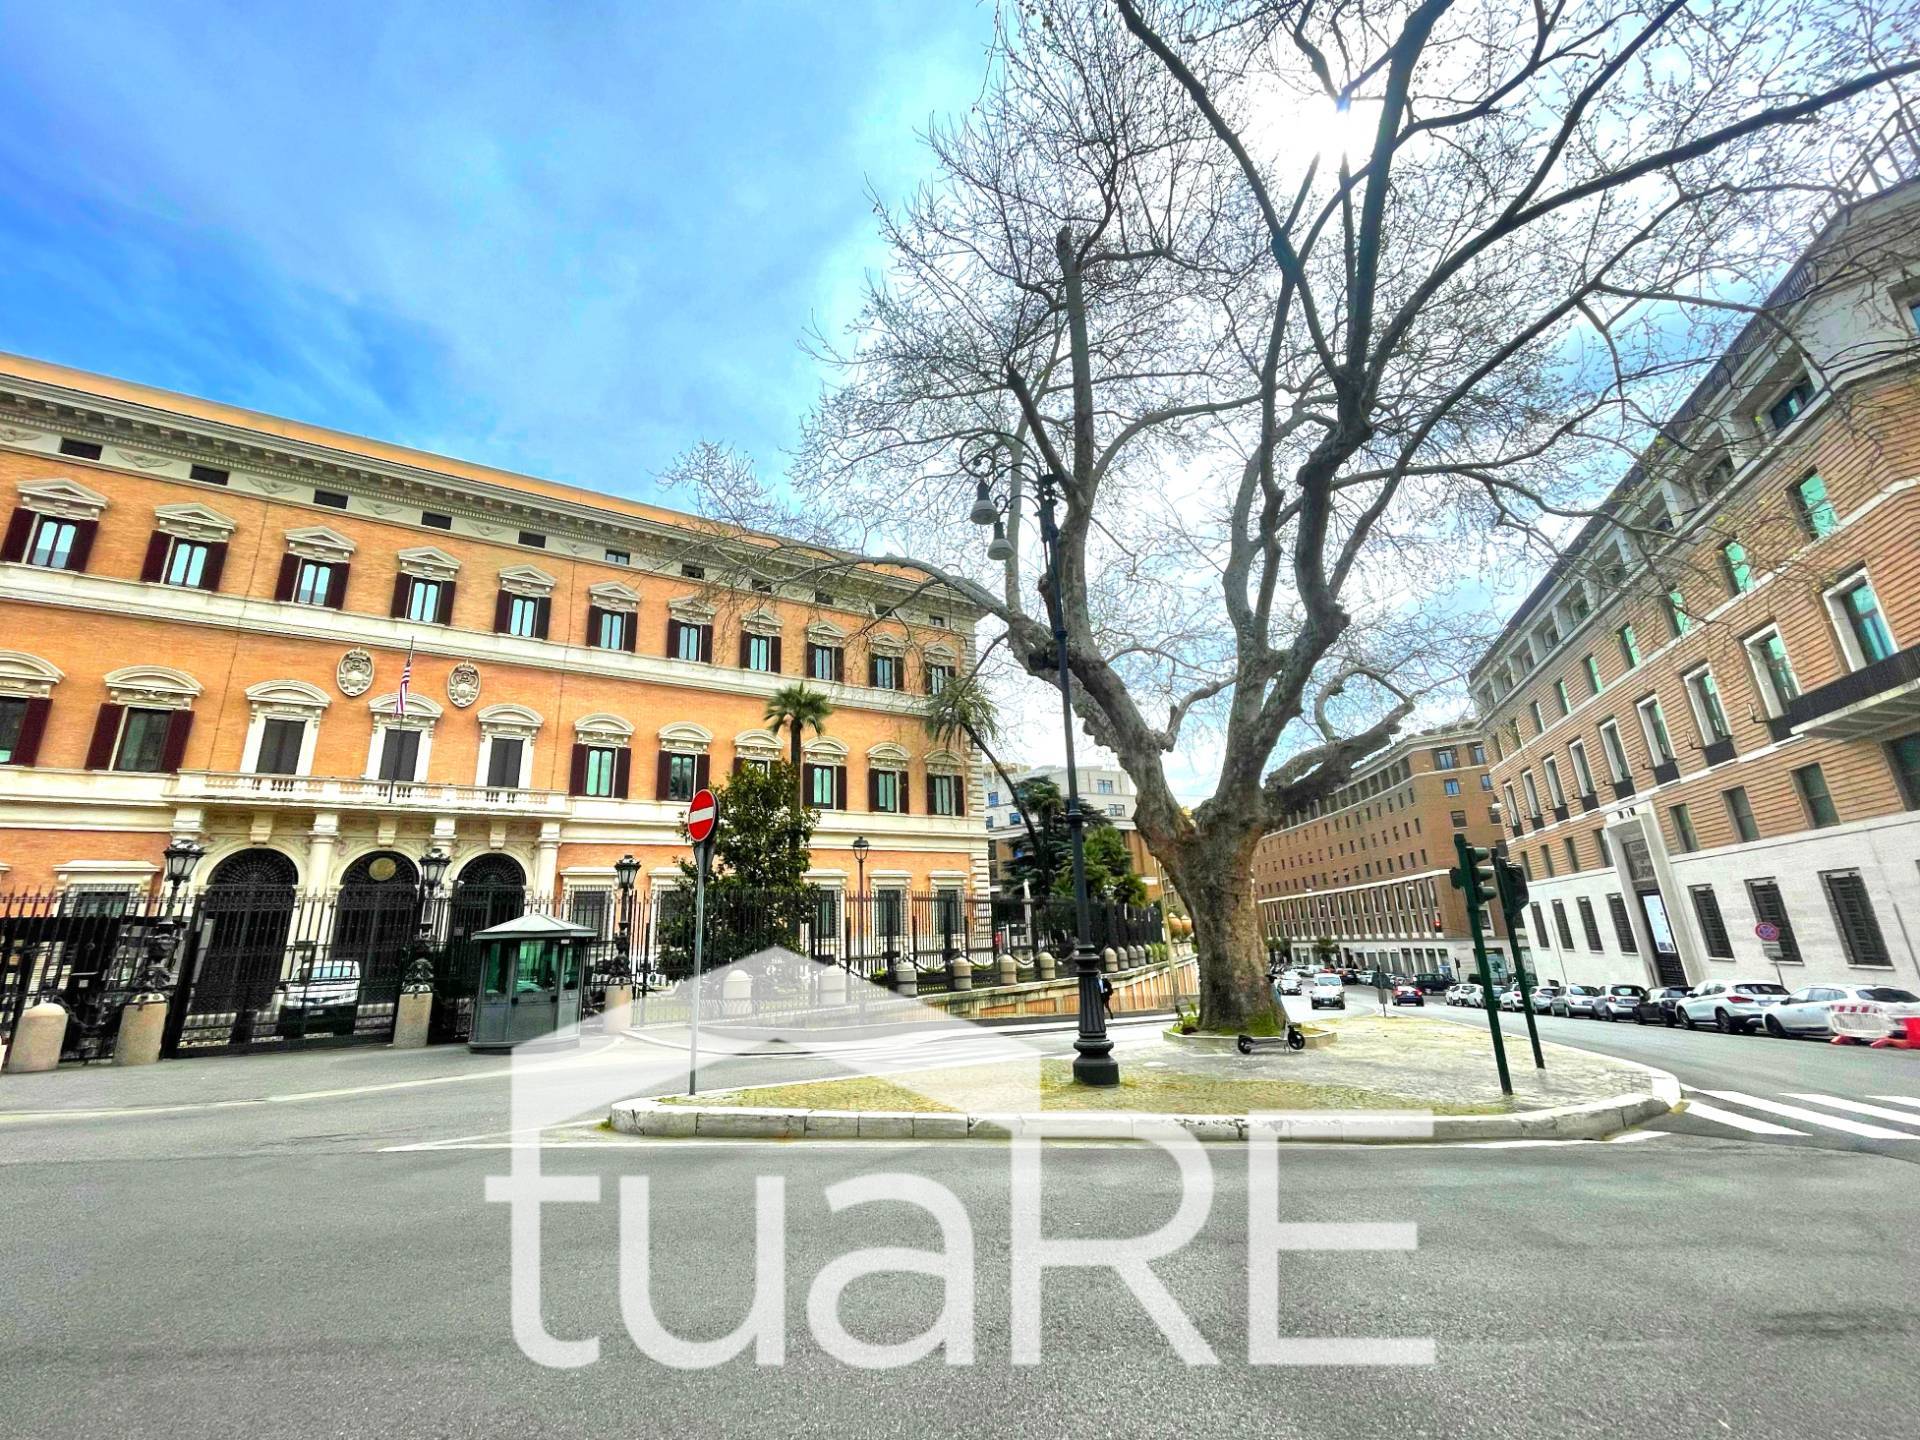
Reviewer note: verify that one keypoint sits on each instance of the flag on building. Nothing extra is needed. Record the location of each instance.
(406, 683)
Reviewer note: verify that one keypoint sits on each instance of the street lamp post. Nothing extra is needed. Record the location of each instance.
(625, 870)
(181, 858)
(433, 869)
(860, 847)
(1093, 1062)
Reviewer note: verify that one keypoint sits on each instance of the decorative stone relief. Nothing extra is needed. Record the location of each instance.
(15, 434)
(354, 675)
(463, 684)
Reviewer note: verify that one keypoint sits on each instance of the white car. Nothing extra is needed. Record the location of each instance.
(1543, 998)
(1619, 1002)
(1805, 1011)
(1736, 1006)
(1465, 993)
(1510, 998)
(1327, 988)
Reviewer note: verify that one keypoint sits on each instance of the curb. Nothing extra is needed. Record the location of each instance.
(1590, 1120)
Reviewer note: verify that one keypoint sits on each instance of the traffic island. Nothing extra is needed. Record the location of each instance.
(1386, 1082)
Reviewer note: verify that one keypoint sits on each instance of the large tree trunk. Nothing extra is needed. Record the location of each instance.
(1213, 870)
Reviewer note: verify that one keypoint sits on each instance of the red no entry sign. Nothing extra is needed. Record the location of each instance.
(702, 814)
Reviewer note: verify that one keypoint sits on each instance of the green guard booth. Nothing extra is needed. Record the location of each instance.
(532, 972)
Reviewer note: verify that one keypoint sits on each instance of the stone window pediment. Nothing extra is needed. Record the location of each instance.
(824, 751)
(287, 699)
(685, 738)
(945, 762)
(941, 654)
(423, 711)
(603, 731)
(761, 622)
(612, 595)
(527, 580)
(428, 562)
(515, 722)
(193, 522)
(24, 676)
(318, 542)
(692, 609)
(888, 753)
(756, 745)
(895, 645)
(825, 632)
(64, 499)
(152, 686)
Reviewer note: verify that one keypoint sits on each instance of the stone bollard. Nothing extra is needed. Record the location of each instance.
(617, 1014)
(1009, 968)
(412, 1018)
(1043, 965)
(833, 985)
(37, 1038)
(960, 973)
(906, 980)
(736, 993)
(1109, 960)
(142, 1023)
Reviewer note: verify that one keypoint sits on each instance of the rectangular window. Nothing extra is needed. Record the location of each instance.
(694, 572)
(1589, 924)
(619, 557)
(1860, 608)
(1713, 929)
(938, 678)
(1592, 667)
(1770, 907)
(424, 601)
(186, 564)
(1560, 926)
(1816, 511)
(435, 520)
(1446, 759)
(1452, 787)
(1707, 711)
(760, 652)
(1560, 694)
(399, 754)
(886, 672)
(1904, 755)
(207, 474)
(1740, 812)
(13, 718)
(1582, 774)
(534, 539)
(143, 740)
(603, 764)
(1573, 855)
(1853, 916)
(332, 499)
(80, 449)
(1539, 724)
(1678, 620)
(945, 794)
(1540, 924)
(1811, 782)
(1477, 754)
(1552, 769)
(1622, 926)
(51, 547)
(1735, 568)
(682, 776)
(1767, 653)
(1781, 413)
(280, 744)
(1653, 727)
(823, 662)
(313, 583)
(1459, 818)
(1684, 838)
(686, 642)
(1533, 793)
(1629, 645)
(613, 630)
(503, 763)
(1546, 861)
(1600, 847)
(886, 791)
(523, 616)
(822, 787)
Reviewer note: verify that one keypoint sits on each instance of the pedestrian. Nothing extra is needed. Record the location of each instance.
(1106, 995)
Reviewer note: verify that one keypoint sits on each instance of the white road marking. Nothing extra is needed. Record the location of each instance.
(1737, 1122)
(1810, 1117)
(1879, 1112)
(1897, 1100)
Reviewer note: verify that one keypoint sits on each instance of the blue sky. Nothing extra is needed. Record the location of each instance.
(565, 238)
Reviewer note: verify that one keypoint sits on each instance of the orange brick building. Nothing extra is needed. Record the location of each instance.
(1367, 868)
(205, 614)
(1706, 718)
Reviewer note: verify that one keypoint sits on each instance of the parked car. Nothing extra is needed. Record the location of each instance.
(1657, 1006)
(323, 996)
(1576, 1000)
(1326, 989)
(1805, 1011)
(1466, 993)
(1349, 977)
(1434, 982)
(1510, 998)
(1406, 993)
(1619, 1002)
(1543, 997)
(1289, 982)
(1736, 1006)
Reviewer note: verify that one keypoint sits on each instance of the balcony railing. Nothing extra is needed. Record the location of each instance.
(1666, 772)
(1718, 753)
(1875, 700)
(1589, 803)
(329, 791)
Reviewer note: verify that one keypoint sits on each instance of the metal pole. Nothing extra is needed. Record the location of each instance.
(1474, 911)
(1512, 908)
(701, 852)
(1093, 1062)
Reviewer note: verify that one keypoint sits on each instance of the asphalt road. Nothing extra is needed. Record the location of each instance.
(328, 1266)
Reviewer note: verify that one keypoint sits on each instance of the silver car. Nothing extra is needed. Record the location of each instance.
(1543, 998)
(1619, 1002)
(1735, 1006)
(1804, 1012)
(1576, 1000)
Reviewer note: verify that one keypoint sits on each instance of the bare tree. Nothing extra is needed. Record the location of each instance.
(1308, 306)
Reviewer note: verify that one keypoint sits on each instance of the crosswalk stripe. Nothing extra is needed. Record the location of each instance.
(1879, 1112)
(1738, 1122)
(1897, 1100)
(1811, 1117)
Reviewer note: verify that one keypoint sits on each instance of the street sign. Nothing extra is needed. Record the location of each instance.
(702, 815)
(1767, 932)
(1771, 949)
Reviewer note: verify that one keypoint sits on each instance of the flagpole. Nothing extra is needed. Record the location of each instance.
(400, 710)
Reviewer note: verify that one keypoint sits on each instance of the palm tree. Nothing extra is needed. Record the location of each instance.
(962, 707)
(797, 708)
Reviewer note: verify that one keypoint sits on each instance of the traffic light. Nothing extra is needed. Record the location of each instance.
(1477, 879)
(1513, 889)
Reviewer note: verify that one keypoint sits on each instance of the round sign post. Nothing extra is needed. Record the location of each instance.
(1766, 931)
(703, 819)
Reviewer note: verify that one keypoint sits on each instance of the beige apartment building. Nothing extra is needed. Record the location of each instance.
(1706, 717)
(1367, 867)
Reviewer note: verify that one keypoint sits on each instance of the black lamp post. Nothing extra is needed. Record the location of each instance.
(433, 869)
(625, 870)
(860, 847)
(181, 857)
(1093, 1062)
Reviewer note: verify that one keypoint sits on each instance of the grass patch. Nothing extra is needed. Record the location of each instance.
(987, 1088)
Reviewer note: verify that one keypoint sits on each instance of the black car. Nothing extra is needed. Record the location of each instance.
(1656, 1007)
(1434, 982)
(1405, 994)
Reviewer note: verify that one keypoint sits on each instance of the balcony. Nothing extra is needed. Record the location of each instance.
(1666, 772)
(1589, 803)
(1621, 788)
(332, 792)
(1876, 701)
(1559, 812)
(1718, 753)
